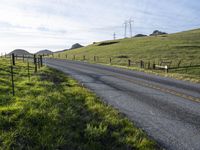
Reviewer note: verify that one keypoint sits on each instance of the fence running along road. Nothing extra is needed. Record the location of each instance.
(10, 70)
(167, 109)
(123, 60)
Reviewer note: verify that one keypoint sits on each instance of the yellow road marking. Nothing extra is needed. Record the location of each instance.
(165, 90)
(142, 83)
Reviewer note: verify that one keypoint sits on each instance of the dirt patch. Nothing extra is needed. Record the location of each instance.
(107, 43)
(188, 46)
(122, 56)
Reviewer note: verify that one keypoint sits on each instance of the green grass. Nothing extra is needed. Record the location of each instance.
(53, 111)
(184, 46)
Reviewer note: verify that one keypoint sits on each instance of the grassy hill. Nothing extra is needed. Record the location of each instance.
(20, 52)
(183, 46)
(44, 52)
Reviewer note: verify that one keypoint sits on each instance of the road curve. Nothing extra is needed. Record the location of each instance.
(167, 109)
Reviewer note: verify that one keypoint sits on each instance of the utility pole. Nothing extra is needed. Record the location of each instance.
(125, 25)
(130, 23)
(114, 36)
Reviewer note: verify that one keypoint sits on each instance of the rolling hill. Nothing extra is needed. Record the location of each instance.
(20, 52)
(184, 45)
(181, 47)
(44, 52)
(75, 46)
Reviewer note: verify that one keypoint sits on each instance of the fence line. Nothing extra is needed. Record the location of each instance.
(38, 62)
(160, 64)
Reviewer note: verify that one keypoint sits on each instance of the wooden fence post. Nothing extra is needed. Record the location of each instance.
(13, 59)
(154, 65)
(94, 58)
(12, 80)
(167, 70)
(41, 61)
(66, 56)
(141, 64)
(34, 56)
(35, 63)
(129, 62)
(110, 60)
(38, 62)
(74, 57)
(28, 71)
(84, 57)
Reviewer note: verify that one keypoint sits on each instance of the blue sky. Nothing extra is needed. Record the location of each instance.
(57, 24)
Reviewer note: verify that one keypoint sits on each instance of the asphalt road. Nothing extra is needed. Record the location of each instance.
(168, 110)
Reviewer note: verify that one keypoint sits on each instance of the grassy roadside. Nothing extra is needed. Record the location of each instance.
(183, 48)
(53, 111)
(173, 75)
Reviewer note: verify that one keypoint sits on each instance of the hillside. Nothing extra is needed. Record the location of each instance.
(20, 52)
(75, 46)
(44, 52)
(183, 46)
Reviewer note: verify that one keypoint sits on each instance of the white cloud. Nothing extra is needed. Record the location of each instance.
(57, 24)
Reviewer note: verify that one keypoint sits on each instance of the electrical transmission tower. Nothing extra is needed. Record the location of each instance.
(114, 36)
(125, 28)
(130, 25)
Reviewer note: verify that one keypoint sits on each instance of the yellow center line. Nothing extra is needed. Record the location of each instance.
(164, 90)
(142, 83)
(145, 84)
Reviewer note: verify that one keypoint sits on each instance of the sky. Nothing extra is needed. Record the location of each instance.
(57, 24)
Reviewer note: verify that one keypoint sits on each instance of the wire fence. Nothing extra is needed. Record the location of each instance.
(167, 65)
(11, 72)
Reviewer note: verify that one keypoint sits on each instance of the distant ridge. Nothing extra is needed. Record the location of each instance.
(20, 52)
(75, 46)
(44, 52)
(157, 32)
